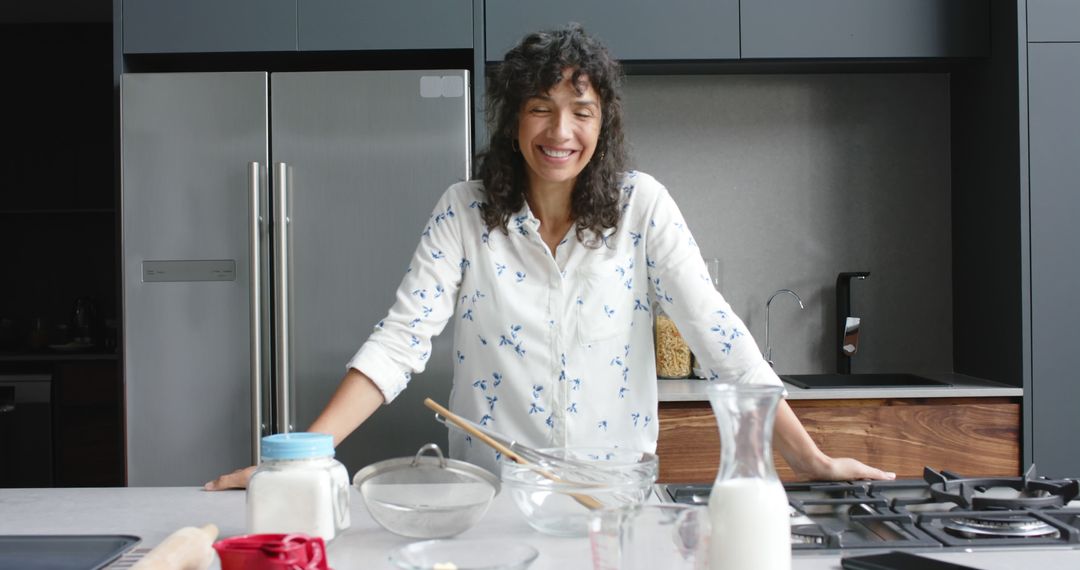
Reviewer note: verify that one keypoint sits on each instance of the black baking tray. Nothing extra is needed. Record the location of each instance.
(813, 381)
(63, 551)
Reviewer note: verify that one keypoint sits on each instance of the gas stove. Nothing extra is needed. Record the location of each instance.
(942, 511)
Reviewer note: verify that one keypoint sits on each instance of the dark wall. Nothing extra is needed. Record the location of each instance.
(57, 215)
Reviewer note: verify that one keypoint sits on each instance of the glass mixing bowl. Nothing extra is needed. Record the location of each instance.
(557, 499)
(425, 496)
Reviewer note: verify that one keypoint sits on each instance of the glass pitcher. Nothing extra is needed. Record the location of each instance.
(748, 508)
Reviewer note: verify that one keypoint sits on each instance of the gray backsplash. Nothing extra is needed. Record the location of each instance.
(791, 179)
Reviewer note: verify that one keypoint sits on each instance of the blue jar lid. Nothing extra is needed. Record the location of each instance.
(297, 445)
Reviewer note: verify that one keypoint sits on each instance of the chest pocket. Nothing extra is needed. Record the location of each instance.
(605, 307)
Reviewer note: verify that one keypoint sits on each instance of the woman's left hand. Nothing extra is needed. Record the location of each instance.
(843, 469)
(808, 461)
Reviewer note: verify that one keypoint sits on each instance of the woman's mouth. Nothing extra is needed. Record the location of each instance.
(555, 153)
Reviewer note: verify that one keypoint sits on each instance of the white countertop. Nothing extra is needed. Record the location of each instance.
(693, 390)
(153, 513)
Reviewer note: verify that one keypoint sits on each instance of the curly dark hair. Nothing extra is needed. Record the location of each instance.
(532, 68)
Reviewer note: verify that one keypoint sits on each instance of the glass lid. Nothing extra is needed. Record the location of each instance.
(427, 480)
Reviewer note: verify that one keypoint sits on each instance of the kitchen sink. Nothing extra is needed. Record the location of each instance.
(861, 381)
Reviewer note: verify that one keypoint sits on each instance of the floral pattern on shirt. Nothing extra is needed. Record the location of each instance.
(556, 350)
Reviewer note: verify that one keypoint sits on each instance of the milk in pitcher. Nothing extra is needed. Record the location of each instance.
(750, 525)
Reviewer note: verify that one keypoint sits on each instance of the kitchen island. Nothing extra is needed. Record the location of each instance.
(153, 513)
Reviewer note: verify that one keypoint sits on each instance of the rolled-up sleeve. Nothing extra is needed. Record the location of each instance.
(683, 289)
(400, 345)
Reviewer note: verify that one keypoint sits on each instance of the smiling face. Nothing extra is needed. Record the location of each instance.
(558, 132)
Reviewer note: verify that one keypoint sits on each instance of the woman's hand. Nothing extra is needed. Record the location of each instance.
(355, 399)
(236, 480)
(827, 468)
(808, 461)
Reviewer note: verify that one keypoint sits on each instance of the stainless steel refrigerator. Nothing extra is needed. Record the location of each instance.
(268, 219)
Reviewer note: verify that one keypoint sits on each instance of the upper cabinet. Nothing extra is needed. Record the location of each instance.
(634, 30)
(631, 29)
(209, 26)
(864, 28)
(212, 26)
(368, 25)
(758, 29)
(1053, 20)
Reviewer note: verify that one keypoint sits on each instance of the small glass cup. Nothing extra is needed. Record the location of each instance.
(648, 537)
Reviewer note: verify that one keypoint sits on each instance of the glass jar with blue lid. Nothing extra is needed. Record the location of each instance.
(298, 487)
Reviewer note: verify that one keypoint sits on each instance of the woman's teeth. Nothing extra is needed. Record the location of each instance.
(556, 153)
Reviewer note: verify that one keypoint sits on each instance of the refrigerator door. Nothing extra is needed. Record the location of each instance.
(188, 141)
(367, 155)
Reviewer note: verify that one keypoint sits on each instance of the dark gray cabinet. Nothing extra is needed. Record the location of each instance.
(761, 29)
(1053, 20)
(208, 26)
(864, 28)
(213, 26)
(631, 29)
(1054, 175)
(371, 25)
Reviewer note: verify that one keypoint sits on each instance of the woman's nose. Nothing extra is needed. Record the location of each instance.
(559, 128)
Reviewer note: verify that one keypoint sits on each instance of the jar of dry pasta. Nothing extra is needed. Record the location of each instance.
(672, 352)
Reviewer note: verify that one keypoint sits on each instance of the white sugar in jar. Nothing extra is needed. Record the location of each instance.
(298, 487)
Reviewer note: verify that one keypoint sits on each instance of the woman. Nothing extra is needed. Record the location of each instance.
(548, 267)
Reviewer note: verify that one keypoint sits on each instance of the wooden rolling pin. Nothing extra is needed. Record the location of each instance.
(189, 548)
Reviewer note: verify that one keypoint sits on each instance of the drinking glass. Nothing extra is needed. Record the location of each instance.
(650, 537)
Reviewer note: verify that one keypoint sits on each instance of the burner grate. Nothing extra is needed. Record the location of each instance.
(1030, 491)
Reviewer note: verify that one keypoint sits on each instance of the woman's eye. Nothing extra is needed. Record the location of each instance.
(539, 109)
(584, 114)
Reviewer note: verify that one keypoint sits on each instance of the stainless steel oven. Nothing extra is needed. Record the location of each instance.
(26, 430)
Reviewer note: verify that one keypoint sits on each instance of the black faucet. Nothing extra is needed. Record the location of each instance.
(847, 326)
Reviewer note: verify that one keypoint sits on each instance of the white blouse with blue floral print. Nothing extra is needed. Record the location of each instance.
(556, 351)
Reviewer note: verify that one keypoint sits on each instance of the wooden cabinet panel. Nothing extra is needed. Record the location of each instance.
(970, 436)
(86, 384)
(87, 425)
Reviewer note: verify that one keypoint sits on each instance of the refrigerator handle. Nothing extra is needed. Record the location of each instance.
(283, 382)
(255, 225)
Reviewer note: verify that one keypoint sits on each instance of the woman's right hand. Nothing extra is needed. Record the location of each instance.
(355, 399)
(236, 480)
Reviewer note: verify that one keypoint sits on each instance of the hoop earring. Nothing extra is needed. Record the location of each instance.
(514, 145)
